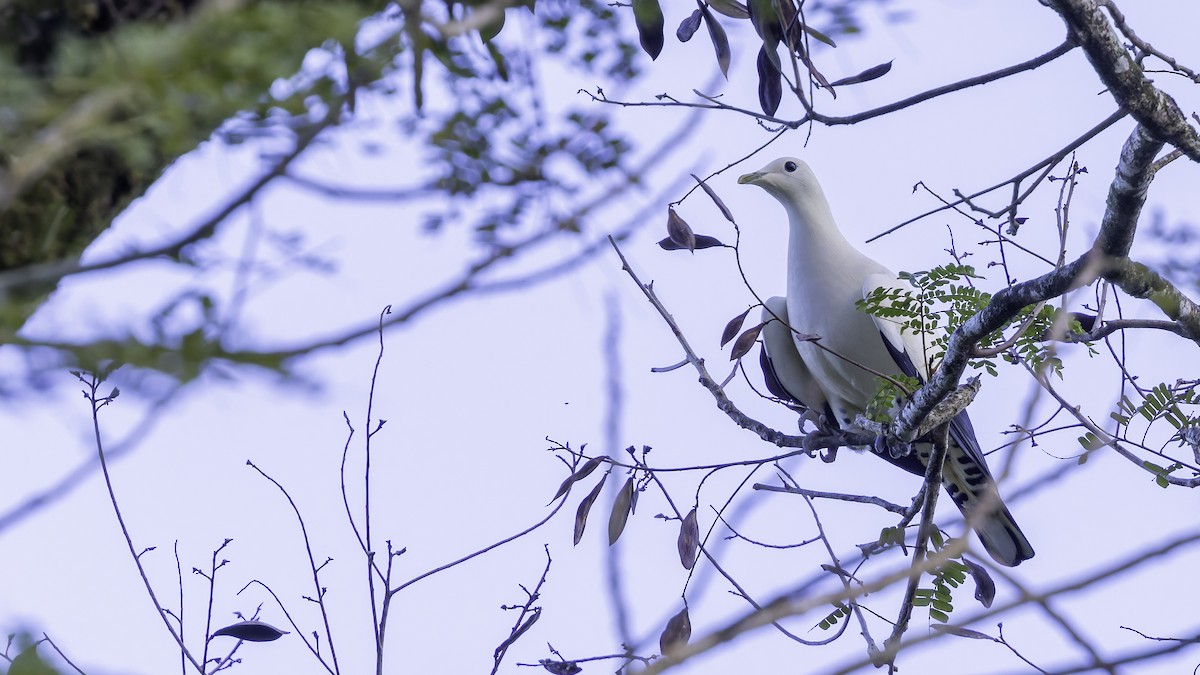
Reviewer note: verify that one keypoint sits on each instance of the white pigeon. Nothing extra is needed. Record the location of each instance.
(826, 275)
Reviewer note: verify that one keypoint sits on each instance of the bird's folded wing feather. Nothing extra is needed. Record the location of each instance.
(911, 353)
(783, 369)
(909, 349)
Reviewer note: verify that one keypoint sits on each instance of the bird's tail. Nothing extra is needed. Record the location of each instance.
(1001, 537)
(966, 477)
(976, 496)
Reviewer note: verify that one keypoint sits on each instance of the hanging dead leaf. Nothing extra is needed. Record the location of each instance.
(745, 341)
(679, 231)
(712, 194)
(962, 632)
(590, 466)
(583, 472)
(689, 540)
(816, 74)
(581, 513)
(818, 35)
(702, 241)
(648, 16)
(872, 73)
(677, 633)
(730, 8)
(521, 630)
(719, 39)
(560, 667)
(770, 85)
(251, 631)
(734, 325)
(621, 508)
(689, 26)
(985, 587)
(765, 20)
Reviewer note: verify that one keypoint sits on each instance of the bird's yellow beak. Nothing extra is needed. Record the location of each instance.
(750, 177)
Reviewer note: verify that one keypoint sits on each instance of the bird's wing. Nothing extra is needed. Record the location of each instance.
(965, 473)
(909, 350)
(784, 371)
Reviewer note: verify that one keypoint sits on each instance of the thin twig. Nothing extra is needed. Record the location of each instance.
(319, 598)
(817, 494)
(92, 383)
(46, 639)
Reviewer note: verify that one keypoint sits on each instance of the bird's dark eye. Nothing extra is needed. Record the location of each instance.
(789, 166)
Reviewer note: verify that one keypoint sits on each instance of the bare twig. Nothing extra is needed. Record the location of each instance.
(817, 494)
(314, 649)
(933, 481)
(526, 617)
(47, 640)
(318, 590)
(92, 384)
(831, 120)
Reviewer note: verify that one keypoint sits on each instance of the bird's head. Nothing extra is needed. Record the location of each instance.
(787, 179)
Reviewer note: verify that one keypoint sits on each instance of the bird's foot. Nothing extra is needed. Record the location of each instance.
(825, 429)
(810, 443)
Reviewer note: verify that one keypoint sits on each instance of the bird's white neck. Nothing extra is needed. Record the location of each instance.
(814, 238)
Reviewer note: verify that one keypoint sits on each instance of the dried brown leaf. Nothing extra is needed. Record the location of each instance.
(581, 513)
(251, 631)
(734, 325)
(712, 194)
(745, 341)
(583, 472)
(816, 74)
(521, 630)
(962, 632)
(621, 508)
(689, 540)
(679, 231)
(872, 73)
(730, 8)
(765, 20)
(689, 26)
(590, 466)
(560, 667)
(813, 32)
(985, 587)
(677, 633)
(702, 241)
(720, 40)
(770, 84)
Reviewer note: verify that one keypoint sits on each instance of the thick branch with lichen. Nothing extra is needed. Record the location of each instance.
(1124, 77)
(1142, 282)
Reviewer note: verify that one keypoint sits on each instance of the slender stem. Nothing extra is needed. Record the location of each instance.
(933, 480)
(92, 383)
(179, 576)
(46, 638)
(312, 565)
(315, 650)
(370, 553)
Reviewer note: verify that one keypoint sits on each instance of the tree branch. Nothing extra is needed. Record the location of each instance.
(1124, 77)
(1126, 196)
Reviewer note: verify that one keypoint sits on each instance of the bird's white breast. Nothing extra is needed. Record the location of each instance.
(822, 290)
